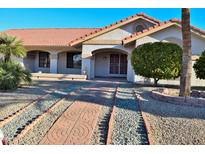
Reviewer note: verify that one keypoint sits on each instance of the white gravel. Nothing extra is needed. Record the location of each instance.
(128, 123)
(172, 124)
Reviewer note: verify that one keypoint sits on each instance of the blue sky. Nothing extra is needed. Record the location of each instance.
(78, 18)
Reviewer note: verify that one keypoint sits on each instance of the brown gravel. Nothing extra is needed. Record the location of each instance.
(172, 124)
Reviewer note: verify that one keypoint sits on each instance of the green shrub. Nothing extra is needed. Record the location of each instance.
(157, 60)
(12, 75)
(199, 66)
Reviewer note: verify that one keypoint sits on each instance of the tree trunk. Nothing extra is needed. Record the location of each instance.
(155, 82)
(185, 79)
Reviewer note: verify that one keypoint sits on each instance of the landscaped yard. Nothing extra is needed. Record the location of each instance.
(96, 112)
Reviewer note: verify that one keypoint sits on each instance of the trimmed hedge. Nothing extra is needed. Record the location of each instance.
(159, 60)
(199, 66)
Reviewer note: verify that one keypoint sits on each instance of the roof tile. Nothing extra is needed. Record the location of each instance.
(49, 36)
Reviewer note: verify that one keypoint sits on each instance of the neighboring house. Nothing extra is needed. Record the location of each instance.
(99, 52)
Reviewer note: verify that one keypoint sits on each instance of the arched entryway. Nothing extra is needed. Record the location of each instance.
(37, 61)
(110, 63)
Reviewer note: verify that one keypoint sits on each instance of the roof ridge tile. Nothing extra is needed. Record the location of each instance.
(173, 20)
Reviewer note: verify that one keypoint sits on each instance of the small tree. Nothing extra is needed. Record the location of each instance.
(157, 60)
(12, 74)
(199, 66)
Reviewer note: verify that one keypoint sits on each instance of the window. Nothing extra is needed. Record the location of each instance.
(139, 28)
(73, 60)
(44, 60)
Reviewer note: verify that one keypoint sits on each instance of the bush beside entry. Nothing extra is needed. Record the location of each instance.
(199, 66)
(159, 60)
(12, 74)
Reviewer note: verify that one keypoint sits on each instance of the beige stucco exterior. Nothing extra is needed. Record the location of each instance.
(95, 52)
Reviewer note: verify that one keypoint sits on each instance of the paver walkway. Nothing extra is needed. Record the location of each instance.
(77, 123)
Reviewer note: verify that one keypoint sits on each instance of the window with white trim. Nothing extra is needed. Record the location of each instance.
(74, 60)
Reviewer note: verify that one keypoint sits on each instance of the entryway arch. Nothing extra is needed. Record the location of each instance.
(110, 62)
(37, 61)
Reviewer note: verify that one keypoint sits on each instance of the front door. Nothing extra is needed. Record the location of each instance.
(118, 64)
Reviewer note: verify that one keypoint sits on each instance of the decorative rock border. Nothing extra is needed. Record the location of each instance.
(161, 95)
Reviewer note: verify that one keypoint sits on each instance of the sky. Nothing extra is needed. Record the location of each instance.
(85, 18)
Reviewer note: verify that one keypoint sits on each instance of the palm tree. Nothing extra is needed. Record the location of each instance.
(185, 79)
(11, 46)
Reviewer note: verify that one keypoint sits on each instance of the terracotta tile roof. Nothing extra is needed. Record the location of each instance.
(48, 36)
(159, 26)
(109, 27)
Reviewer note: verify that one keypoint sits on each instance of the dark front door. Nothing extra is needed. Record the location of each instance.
(118, 64)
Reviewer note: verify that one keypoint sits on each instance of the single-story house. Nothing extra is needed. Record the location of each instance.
(100, 52)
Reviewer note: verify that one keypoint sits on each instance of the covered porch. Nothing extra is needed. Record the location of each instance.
(107, 61)
(54, 64)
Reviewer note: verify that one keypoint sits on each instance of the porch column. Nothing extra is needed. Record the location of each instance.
(130, 71)
(53, 63)
(86, 67)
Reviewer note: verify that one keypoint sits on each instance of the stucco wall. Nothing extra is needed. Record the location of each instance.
(62, 68)
(102, 64)
(29, 61)
(173, 34)
(124, 31)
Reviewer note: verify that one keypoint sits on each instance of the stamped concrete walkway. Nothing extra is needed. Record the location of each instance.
(77, 123)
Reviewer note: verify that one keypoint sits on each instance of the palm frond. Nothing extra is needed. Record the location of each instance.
(10, 45)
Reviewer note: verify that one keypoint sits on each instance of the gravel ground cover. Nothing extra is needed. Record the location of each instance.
(12, 101)
(128, 125)
(172, 124)
(100, 133)
(33, 111)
